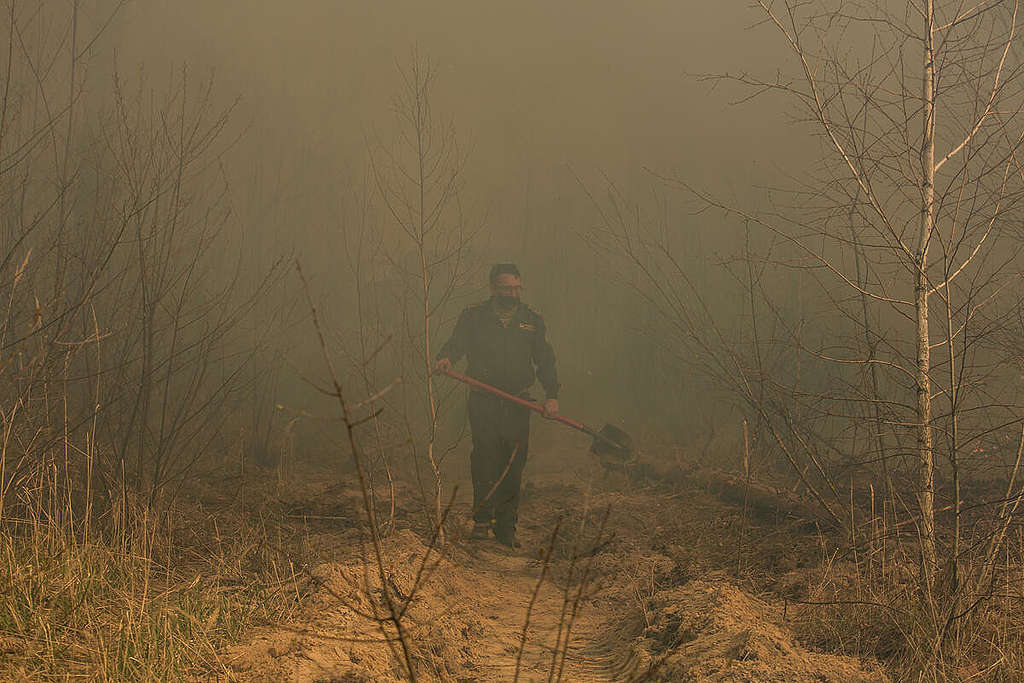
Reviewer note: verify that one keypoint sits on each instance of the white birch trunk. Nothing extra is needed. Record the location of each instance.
(924, 403)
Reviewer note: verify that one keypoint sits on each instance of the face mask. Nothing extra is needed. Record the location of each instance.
(506, 301)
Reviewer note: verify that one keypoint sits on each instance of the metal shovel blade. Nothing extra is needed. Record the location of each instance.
(612, 443)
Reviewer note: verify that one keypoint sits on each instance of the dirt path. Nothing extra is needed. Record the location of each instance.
(468, 620)
(655, 595)
(507, 583)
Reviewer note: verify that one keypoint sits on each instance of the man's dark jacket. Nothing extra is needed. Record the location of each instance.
(503, 355)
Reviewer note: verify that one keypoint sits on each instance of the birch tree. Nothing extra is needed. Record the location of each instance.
(907, 227)
(961, 176)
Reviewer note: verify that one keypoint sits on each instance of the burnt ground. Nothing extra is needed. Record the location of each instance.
(677, 584)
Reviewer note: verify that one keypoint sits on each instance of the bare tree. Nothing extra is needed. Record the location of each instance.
(130, 294)
(418, 180)
(917, 107)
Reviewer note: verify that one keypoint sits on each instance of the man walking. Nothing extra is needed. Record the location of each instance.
(506, 346)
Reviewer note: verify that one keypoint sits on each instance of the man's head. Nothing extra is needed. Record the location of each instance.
(506, 286)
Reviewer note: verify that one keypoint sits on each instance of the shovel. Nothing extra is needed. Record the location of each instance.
(609, 442)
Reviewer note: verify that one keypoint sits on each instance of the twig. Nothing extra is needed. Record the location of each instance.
(533, 598)
(580, 590)
(395, 614)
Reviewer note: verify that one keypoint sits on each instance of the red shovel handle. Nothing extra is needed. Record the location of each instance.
(515, 399)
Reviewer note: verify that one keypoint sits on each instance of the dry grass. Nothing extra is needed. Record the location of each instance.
(843, 611)
(129, 605)
(162, 600)
(865, 602)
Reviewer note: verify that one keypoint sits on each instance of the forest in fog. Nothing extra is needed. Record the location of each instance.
(779, 244)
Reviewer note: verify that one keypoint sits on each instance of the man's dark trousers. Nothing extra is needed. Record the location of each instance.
(501, 433)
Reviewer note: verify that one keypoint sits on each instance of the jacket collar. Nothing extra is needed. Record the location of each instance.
(493, 308)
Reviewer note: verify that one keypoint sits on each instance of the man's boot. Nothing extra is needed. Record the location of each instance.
(480, 532)
(507, 536)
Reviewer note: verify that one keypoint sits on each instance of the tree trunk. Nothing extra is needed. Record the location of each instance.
(924, 402)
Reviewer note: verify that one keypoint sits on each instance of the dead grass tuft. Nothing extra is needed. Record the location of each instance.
(130, 604)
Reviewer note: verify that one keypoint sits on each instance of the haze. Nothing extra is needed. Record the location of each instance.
(776, 250)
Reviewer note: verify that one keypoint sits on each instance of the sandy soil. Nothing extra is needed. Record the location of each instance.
(657, 604)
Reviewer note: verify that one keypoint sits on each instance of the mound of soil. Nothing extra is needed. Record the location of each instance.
(709, 630)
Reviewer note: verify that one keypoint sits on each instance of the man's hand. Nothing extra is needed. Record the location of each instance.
(443, 365)
(551, 408)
